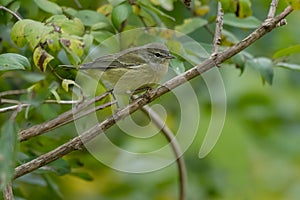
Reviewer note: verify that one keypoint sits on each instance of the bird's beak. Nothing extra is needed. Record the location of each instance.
(170, 57)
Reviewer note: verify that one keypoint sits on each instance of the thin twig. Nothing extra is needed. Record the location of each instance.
(13, 92)
(267, 26)
(23, 105)
(78, 142)
(10, 101)
(144, 22)
(273, 7)
(11, 12)
(8, 193)
(68, 102)
(218, 31)
(272, 11)
(78, 4)
(14, 107)
(55, 73)
(175, 147)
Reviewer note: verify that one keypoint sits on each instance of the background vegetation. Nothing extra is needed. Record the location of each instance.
(257, 156)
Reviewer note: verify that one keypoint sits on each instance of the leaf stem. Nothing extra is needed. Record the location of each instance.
(11, 12)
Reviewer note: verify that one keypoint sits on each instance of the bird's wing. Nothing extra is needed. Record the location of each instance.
(119, 60)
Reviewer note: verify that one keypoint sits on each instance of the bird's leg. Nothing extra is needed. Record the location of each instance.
(134, 94)
(142, 89)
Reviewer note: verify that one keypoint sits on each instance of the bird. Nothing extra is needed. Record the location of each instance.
(131, 70)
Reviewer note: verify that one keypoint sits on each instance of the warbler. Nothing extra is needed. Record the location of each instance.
(133, 69)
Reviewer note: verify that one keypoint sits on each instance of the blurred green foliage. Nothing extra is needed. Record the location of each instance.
(257, 154)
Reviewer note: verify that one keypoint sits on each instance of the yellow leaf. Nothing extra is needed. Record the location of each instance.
(294, 3)
(41, 58)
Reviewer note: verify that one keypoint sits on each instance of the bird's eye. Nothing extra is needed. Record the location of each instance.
(158, 55)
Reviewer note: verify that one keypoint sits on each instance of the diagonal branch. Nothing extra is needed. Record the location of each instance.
(79, 141)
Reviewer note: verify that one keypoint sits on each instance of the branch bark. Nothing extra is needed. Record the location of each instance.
(8, 192)
(218, 31)
(79, 141)
(11, 12)
(273, 7)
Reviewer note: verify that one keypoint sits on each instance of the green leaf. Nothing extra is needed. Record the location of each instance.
(287, 51)
(12, 61)
(249, 22)
(69, 26)
(53, 89)
(229, 5)
(33, 179)
(17, 32)
(60, 167)
(240, 60)
(69, 11)
(75, 163)
(115, 2)
(32, 77)
(100, 36)
(290, 66)
(48, 6)
(190, 25)
(73, 48)
(74, 43)
(175, 47)
(53, 187)
(83, 175)
(52, 41)
(89, 17)
(41, 93)
(166, 4)
(73, 27)
(29, 32)
(5, 2)
(229, 37)
(177, 66)
(241, 8)
(194, 52)
(120, 13)
(106, 9)
(155, 10)
(264, 66)
(88, 42)
(197, 49)
(8, 150)
(100, 26)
